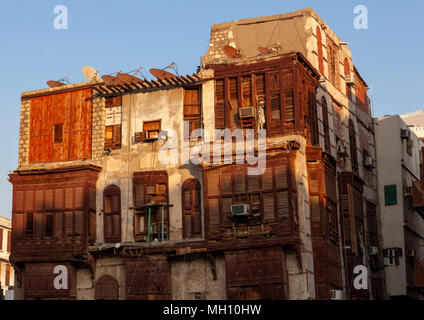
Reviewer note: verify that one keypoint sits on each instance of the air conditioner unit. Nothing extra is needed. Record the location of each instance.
(410, 252)
(405, 134)
(369, 162)
(342, 150)
(336, 294)
(163, 135)
(248, 112)
(350, 79)
(373, 251)
(239, 210)
(389, 261)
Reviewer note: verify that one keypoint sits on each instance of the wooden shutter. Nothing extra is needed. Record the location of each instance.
(48, 199)
(1, 240)
(260, 84)
(112, 214)
(281, 177)
(18, 223)
(29, 200)
(39, 225)
(58, 224)
(107, 288)
(29, 223)
(289, 107)
(69, 203)
(325, 125)
(139, 196)
(69, 217)
(49, 225)
(352, 222)
(213, 183)
(79, 197)
(269, 204)
(267, 182)
(213, 211)
(246, 89)
(190, 193)
(18, 201)
(282, 204)
(58, 200)
(79, 222)
(219, 104)
(39, 199)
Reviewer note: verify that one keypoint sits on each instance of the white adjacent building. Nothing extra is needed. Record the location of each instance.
(399, 171)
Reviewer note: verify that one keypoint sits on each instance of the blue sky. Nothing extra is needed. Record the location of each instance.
(124, 35)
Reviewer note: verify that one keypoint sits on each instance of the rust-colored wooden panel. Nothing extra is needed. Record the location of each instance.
(71, 109)
(48, 200)
(39, 199)
(18, 200)
(213, 183)
(269, 205)
(39, 281)
(213, 212)
(148, 279)
(29, 200)
(255, 274)
(107, 288)
(58, 224)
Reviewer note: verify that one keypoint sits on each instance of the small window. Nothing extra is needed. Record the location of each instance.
(151, 130)
(49, 225)
(58, 133)
(192, 110)
(390, 195)
(409, 145)
(113, 123)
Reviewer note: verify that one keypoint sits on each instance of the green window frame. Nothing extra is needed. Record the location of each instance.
(390, 195)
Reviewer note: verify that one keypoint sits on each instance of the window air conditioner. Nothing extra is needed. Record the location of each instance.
(350, 79)
(389, 261)
(369, 162)
(405, 134)
(248, 112)
(336, 294)
(240, 210)
(373, 251)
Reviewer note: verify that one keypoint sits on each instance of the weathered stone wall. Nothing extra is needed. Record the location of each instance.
(24, 133)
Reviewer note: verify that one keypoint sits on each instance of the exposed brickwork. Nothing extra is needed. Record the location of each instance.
(24, 133)
(98, 127)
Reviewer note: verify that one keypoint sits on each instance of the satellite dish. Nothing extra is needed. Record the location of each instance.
(54, 84)
(112, 81)
(162, 74)
(128, 79)
(90, 73)
(264, 50)
(232, 52)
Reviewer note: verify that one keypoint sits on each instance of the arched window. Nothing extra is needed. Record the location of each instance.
(327, 146)
(353, 148)
(112, 214)
(191, 209)
(347, 72)
(107, 288)
(320, 54)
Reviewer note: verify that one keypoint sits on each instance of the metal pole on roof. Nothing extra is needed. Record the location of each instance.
(148, 226)
(162, 235)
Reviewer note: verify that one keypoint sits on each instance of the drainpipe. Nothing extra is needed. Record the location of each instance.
(162, 235)
(148, 226)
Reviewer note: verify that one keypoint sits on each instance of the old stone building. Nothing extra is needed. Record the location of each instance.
(6, 269)
(110, 183)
